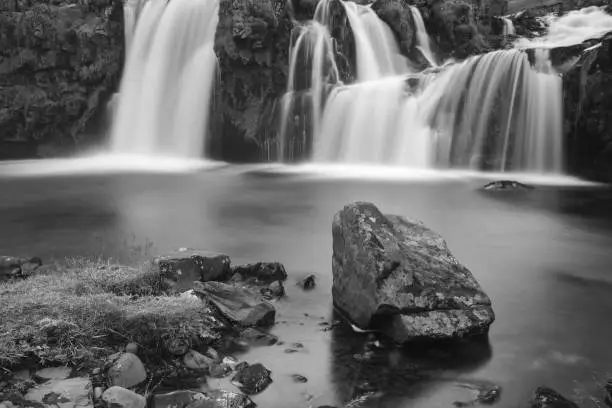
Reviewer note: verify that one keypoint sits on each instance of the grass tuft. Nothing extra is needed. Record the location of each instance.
(82, 309)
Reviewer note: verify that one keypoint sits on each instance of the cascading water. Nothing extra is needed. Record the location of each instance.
(508, 28)
(165, 91)
(496, 111)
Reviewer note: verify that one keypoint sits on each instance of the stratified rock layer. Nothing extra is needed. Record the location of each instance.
(388, 266)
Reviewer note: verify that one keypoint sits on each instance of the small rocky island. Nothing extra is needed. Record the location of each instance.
(96, 334)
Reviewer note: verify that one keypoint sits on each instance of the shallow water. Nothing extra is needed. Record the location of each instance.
(542, 256)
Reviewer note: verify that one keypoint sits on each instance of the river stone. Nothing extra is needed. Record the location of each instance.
(223, 399)
(252, 379)
(184, 266)
(545, 397)
(239, 305)
(127, 371)
(398, 270)
(197, 361)
(176, 399)
(263, 271)
(118, 397)
(64, 393)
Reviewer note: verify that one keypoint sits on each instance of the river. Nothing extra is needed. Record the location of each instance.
(542, 256)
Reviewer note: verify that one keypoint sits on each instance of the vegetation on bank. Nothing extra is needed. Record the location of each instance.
(83, 309)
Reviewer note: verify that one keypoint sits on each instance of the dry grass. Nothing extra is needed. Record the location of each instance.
(80, 309)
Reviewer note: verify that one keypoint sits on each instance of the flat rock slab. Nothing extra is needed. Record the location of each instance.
(184, 266)
(65, 393)
(237, 304)
(396, 269)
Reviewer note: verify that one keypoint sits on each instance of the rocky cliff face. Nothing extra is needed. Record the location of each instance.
(588, 112)
(252, 44)
(59, 63)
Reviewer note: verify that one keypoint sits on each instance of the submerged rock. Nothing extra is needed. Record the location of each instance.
(252, 379)
(65, 393)
(185, 266)
(506, 185)
(223, 399)
(263, 271)
(308, 282)
(257, 337)
(403, 274)
(485, 393)
(239, 305)
(274, 290)
(176, 399)
(548, 398)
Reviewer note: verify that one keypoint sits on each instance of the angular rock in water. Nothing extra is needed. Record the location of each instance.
(403, 275)
(506, 185)
(545, 397)
(127, 371)
(176, 399)
(184, 266)
(257, 337)
(252, 379)
(118, 397)
(262, 271)
(12, 267)
(239, 305)
(308, 282)
(223, 399)
(485, 393)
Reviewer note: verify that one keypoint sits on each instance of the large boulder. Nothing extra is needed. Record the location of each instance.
(60, 62)
(389, 269)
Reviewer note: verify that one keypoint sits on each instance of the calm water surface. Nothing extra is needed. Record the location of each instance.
(543, 257)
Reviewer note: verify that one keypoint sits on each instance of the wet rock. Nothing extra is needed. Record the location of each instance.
(400, 277)
(308, 282)
(131, 348)
(274, 290)
(506, 185)
(485, 393)
(239, 305)
(608, 393)
(54, 373)
(212, 353)
(223, 399)
(185, 266)
(197, 361)
(127, 371)
(252, 379)
(176, 399)
(65, 393)
(257, 337)
(291, 351)
(177, 345)
(263, 271)
(220, 370)
(13, 268)
(548, 398)
(118, 397)
(299, 378)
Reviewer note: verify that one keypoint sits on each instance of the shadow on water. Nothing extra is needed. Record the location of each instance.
(361, 366)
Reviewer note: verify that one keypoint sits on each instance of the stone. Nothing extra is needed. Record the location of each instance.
(176, 399)
(212, 353)
(62, 393)
(545, 397)
(273, 290)
(119, 397)
(132, 348)
(54, 373)
(504, 185)
(485, 392)
(257, 337)
(308, 282)
(220, 370)
(127, 371)
(177, 345)
(12, 267)
(252, 379)
(263, 271)
(185, 266)
(197, 361)
(98, 391)
(223, 399)
(298, 378)
(239, 305)
(400, 276)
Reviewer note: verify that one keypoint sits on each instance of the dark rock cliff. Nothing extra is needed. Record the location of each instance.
(59, 64)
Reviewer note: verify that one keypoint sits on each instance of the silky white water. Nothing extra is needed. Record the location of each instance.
(508, 28)
(164, 96)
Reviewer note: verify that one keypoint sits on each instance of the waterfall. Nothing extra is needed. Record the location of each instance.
(422, 37)
(165, 90)
(508, 28)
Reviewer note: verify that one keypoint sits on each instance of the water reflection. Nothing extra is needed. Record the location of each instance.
(359, 367)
